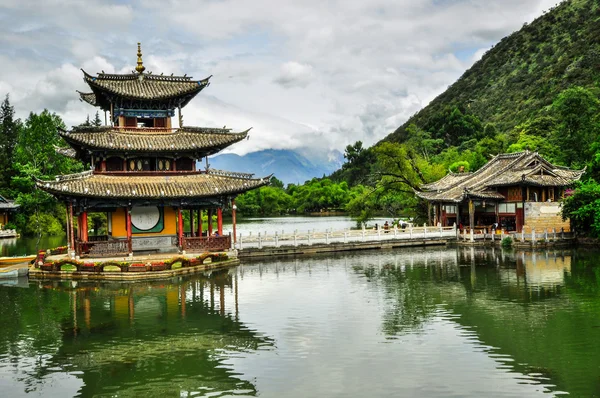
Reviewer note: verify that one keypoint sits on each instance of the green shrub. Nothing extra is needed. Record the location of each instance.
(507, 242)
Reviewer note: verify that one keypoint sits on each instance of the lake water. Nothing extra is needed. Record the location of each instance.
(436, 322)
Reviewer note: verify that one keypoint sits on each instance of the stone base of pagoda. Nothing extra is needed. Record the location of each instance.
(155, 266)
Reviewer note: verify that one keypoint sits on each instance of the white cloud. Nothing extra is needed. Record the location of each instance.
(294, 74)
(304, 74)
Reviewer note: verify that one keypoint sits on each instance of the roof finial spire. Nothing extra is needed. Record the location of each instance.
(140, 68)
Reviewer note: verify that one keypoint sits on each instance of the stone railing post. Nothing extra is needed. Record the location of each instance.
(276, 239)
(554, 234)
(441, 231)
(240, 242)
(523, 235)
(410, 230)
(533, 235)
(395, 231)
(309, 237)
(472, 237)
(363, 235)
(345, 237)
(296, 237)
(562, 233)
(326, 237)
(259, 241)
(424, 230)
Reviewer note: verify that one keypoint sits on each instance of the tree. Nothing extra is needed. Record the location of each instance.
(9, 131)
(583, 208)
(577, 110)
(97, 122)
(35, 157)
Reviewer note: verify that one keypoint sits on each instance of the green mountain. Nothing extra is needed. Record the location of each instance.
(523, 74)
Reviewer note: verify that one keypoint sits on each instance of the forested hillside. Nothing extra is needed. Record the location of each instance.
(537, 89)
(520, 77)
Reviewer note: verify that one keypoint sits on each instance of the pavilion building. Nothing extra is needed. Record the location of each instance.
(144, 171)
(513, 190)
(7, 208)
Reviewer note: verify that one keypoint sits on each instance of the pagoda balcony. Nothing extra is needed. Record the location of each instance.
(151, 130)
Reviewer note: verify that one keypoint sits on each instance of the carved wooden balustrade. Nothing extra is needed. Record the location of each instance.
(206, 244)
(107, 248)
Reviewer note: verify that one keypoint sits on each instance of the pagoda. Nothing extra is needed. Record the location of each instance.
(144, 171)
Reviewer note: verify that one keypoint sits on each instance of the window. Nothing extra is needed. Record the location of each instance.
(185, 164)
(114, 164)
(507, 208)
(451, 209)
(163, 164)
(130, 122)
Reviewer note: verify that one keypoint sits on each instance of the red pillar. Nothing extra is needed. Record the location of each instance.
(68, 228)
(103, 165)
(72, 234)
(220, 221)
(84, 226)
(191, 222)
(128, 220)
(210, 213)
(233, 209)
(199, 222)
(180, 225)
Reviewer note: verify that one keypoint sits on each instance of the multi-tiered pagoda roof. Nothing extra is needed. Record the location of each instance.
(153, 99)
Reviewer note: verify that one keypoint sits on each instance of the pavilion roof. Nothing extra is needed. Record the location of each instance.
(140, 86)
(205, 141)
(168, 186)
(521, 168)
(6, 204)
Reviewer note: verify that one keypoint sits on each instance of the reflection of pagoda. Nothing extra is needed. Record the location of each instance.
(144, 338)
(144, 171)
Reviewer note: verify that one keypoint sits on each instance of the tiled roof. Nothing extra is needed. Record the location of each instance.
(68, 152)
(90, 98)
(190, 139)
(446, 181)
(6, 204)
(196, 185)
(144, 86)
(526, 168)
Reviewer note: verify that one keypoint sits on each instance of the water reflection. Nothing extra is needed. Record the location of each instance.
(433, 322)
(140, 338)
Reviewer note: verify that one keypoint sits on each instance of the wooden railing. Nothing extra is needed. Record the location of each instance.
(107, 248)
(345, 236)
(206, 244)
(145, 129)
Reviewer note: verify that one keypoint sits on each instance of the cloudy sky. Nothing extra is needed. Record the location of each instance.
(304, 74)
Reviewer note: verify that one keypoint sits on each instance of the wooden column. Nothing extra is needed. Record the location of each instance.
(180, 227)
(210, 230)
(84, 226)
(128, 222)
(233, 210)
(103, 165)
(72, 237)
(497, 217)
(429, 213)
(199, 222)
(220, 221)
(192, 223)
(69, 246)
(471, 214)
